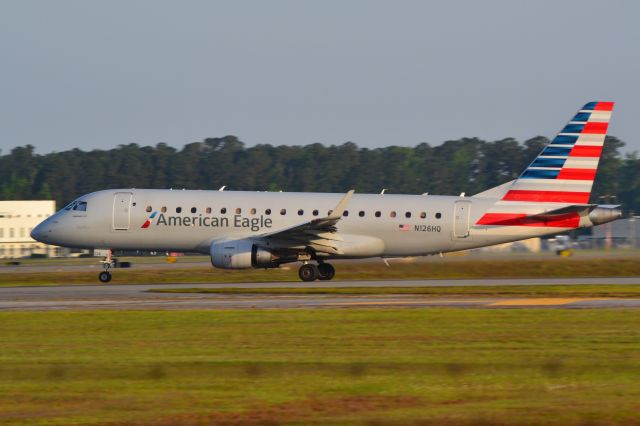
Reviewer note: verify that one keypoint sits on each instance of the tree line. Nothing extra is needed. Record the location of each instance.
(467, 165)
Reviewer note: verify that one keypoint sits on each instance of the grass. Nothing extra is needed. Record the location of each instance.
(467, 268)
(576, 290)
(357, 366)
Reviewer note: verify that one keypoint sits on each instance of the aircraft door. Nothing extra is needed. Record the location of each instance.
(461, 216)
(122, 211)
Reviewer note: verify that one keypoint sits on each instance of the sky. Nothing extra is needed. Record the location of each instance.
(97, 74)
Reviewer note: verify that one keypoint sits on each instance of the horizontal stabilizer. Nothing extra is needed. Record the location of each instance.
(580, 209)
(564, 217)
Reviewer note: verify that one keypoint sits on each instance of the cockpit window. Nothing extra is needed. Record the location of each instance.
(80, 206)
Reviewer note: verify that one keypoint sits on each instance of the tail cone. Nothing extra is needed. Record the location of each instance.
(604, 214)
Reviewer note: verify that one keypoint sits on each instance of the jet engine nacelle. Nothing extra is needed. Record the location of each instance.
(240, 254)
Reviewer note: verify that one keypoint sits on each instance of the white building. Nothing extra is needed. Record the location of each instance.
(17, 219)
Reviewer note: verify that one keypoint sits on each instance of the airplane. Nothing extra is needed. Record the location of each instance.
(242, 229)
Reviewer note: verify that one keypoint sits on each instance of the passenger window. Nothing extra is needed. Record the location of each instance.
(378, 214)
(253, 211)
(438, 215)
(345, 213)
(267, 212)
(392, 214)
(283, 212)
(300, 212)
(361, 214)
(223, 210)
(149, 209)
(208, 210)
(315, 212)
(178, 209)
(423, 215)
(407, 215)
(238, 210)
(163, 209)
(193, 210)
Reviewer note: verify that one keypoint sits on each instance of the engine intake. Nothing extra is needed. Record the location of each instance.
(241, 254)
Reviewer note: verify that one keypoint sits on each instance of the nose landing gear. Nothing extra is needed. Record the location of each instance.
(310, 272)
(105, 276)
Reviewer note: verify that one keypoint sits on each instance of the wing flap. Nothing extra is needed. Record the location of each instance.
(318, 234)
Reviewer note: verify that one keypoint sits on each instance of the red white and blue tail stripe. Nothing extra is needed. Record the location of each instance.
(561, 175)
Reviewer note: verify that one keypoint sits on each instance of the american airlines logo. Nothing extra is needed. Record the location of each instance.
(237, 221)
(148, 221)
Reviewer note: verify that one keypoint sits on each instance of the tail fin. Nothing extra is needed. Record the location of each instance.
(564, 171)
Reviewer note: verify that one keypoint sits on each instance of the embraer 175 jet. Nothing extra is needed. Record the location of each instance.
(267, 229)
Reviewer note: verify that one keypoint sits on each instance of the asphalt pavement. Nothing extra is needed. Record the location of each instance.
(133, 297)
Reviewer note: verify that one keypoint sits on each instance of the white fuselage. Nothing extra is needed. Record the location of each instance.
(190, 221)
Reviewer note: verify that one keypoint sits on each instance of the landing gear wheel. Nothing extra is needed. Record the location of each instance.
(326, 271)
(308, 272)
(104, 276)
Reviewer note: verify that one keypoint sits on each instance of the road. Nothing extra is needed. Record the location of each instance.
(123, 297)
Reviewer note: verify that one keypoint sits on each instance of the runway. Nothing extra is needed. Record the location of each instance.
(135, 297)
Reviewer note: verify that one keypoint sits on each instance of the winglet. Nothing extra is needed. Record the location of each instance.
(342, 205)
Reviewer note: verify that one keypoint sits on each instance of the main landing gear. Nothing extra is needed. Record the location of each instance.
(310, 272)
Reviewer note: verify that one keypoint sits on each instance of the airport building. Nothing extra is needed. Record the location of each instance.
(623, 233)
(17, 219)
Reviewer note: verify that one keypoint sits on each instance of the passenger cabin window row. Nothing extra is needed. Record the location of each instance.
(423, 215)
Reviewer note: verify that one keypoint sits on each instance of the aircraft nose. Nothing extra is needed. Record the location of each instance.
(39, 232)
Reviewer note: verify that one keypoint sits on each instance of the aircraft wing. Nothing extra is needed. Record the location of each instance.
(319, 234)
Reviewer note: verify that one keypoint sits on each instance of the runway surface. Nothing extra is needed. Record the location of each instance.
(133, 297)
